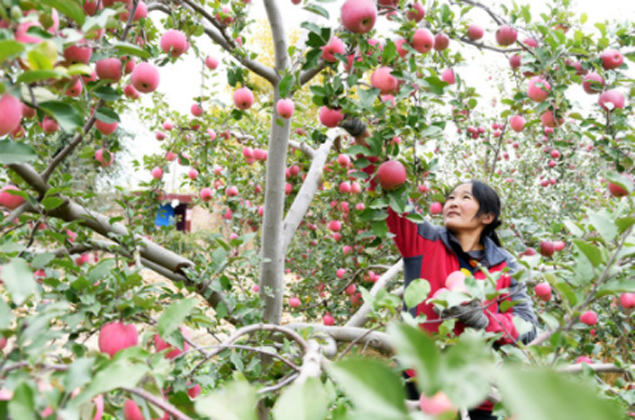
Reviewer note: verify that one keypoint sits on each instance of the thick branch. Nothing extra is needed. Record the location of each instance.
(278, 35)
(304, 148)
(306, 76)
(377, 340)
(361, 316)
(304, 197)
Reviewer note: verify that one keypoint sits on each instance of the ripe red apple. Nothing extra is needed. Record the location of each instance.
(243, 98)
(131, 411)
(78, 53)
(106, 128)
(436, 208)
(145, 78)
(194, 391)
(384, 81)
(206, 194)
(514, 61)
(391, 175)
(231, 191)
(517, 123)
(358, 16)
(49, 125)
(335, 225)
(10, 113)
(174, 42)
(192, 174)
(627, 300)
(416, 12)
(327, 319)
(448, 76)
(140, 13)
(75, 90)
(109, 69)
(90, 7)
(611, 59)
(211, 63)
(506, 35)
(475, 32)
(589, 318)
(161, 345)
(549, 120)
(330, 117)
(543, 291)
(157, 173)
(334, 46)
(584, 359)
(350, 290)
(8, 200)
(400, 49)
(285, 108)
(436, 405)
(294, 302)
(617, 191)
(456, 282)
(225, 16)
(589, 79)
(538, 89)
(613, 97)
(341, 272)
(101, 158)
(116, 336)
(441, 41)
(558, 246)
(555, 154)
(343, 160)
(423, 40)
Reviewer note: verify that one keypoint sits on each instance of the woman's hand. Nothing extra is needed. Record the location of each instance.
(356, 128)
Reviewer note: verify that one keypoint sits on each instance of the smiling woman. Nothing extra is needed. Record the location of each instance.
(467, 243)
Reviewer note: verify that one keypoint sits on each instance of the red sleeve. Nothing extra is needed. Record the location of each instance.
(502, 322)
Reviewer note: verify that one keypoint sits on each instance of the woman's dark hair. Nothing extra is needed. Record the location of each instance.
(489, 203)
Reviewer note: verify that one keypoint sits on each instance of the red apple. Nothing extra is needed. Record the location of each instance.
(174, 42)
(231, 192)
(448, 76)
(334, 46)
(549, 120)
(109, 69)
(157, 173)
(106, 128)
(436, 405)
(436, 208)
(131, 411)
(75, 90)
(517, 123)
(558, 246)
(506, 35)
(391, 175)
(400, 49)
(211, 63)
(328, 319)
(9, 200)
(10, 113)
(78, 53)
(243, 98)
(22, 36)
(335, 225)
(514, 61)
(192, 174)
(350, 290)
(423, 40)
(206, 194)
(358, 16)
(161, 345)
(194, 391)
(116, 336)
(384, 81)
(538, 89)
(627, 300)
(101, 158)
(613, 97)
(475, 32)
(547, 248)
(416, 12)
(330, 117)
(285, 108)
(589, 318)
(140, 13)
(145, 78)
(49, 125)
(341, 272)
(456, 282)
(343, 160)
(588, 81)
(441, 41)
(294, 302)
(543, 291)
(611, 59)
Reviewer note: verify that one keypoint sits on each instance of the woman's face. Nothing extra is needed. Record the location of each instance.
(460, 210)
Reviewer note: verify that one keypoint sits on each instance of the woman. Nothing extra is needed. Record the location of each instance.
(467, 240)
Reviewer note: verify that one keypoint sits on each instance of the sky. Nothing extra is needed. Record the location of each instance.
(180, 83)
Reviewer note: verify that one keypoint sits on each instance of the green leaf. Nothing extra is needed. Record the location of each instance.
(68, 8)
(124, 48)
(174, 316)
(367, 96)
(14, 152)
(307, 401)
(603, 225)
(107, 115)
(415, 217)
(416, 292)
(107, 93)
(285, 85)
(6, 317)
(372, 386)
(51, 203)
(10, 48)
(237, 401)
(379, 228)
(32, 76)
(22, 404)
(583, 18)
(101, 270)
(615, 287)
(592, 252)
(620, 180)
(318, 10)
(67, 117)
(624, 223)
(79, 373)
(417, 350)
(566, 291)
(18, 280)
(547, 395)
(118, 374)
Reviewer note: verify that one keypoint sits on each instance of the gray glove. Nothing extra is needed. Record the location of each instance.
(471, 315)
(354, 126)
